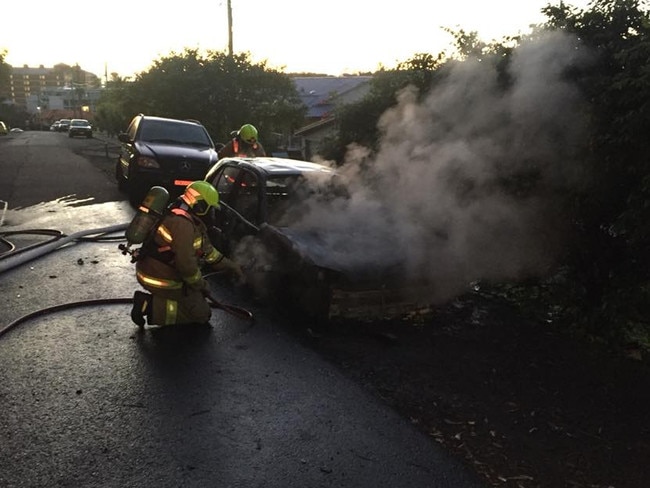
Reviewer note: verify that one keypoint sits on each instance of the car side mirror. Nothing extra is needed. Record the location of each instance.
(123, 137)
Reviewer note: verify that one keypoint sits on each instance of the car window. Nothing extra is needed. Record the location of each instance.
(173, 133)
(224, 182)
(281, 196)
(133, 128)
(246, 199)
(289, 197)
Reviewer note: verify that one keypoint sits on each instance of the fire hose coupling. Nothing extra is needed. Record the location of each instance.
(126, 249)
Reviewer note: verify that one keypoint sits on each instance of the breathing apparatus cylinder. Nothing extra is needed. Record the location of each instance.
(147, 216)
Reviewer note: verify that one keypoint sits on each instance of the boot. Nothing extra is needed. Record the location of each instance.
(141, 307)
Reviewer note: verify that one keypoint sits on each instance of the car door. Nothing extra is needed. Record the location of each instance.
(239, 215)
(127, 151)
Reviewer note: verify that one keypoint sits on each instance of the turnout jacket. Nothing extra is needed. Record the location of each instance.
(236, 147)
(174, 257)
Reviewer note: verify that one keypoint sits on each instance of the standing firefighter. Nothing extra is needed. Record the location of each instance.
(170, 261)
(243, 144)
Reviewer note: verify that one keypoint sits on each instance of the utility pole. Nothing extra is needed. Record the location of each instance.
(230, 51)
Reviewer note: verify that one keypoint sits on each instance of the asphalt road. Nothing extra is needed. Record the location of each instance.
(88, 400)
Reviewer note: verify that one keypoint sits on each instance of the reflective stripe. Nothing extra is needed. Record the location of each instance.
(212, 256)
(192, 196)
(171, 310)
(165, 234)
(194, 278)
(197, 244)
(158, 282)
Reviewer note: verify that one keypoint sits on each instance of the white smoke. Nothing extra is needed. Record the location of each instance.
(433, 196)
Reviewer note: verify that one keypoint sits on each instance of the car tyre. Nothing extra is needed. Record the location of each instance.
(119, 177)
(135, 191)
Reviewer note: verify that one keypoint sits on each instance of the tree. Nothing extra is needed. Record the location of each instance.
(114, 109)
(611, 286)
(223, 92)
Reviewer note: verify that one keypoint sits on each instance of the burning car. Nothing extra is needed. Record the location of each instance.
(270, 221)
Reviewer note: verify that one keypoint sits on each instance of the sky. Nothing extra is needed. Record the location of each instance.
(332, 37)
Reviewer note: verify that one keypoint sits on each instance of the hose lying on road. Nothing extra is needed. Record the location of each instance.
(238, 312)
(32, 252)
(18, 258)
(231, 309)
(11, 248)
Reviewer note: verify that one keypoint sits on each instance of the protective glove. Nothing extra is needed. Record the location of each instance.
(232, 268)
(199, 285)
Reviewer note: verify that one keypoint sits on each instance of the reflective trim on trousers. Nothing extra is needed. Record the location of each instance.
(171, 310)
(158, 282)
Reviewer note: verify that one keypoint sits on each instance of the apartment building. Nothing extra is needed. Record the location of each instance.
(66, 90)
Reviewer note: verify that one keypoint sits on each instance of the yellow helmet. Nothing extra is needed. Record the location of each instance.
(200, 196)
(248, 133)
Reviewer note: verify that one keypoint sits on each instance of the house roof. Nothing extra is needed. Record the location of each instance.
(319, 93)
(315, 126)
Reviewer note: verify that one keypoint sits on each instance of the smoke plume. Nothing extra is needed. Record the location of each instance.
(439, 197)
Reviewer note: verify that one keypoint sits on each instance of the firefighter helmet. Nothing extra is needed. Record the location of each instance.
(200, 196)
(248, 133)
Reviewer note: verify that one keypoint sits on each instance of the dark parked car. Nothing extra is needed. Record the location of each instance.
(165, 152)
(265, 203)
(80, 127)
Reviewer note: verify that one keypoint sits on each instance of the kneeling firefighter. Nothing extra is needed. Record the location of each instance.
(169, 262)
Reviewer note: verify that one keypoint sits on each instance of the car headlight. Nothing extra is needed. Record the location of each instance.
(147, 162)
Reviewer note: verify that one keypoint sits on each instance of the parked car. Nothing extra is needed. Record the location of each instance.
(165, 152)
(80, 127)
(303, 267)
(55, 126)
(64, 125)
(3, 129)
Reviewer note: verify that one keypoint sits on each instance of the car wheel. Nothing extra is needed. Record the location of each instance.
(135, 191)
(119, 177)
(312, 296)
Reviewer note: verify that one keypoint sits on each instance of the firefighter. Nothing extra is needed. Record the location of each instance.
(169, 266)
(243, 144)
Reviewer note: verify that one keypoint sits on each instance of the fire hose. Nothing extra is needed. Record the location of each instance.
(238, 312)
(17, 257)
(234, 310)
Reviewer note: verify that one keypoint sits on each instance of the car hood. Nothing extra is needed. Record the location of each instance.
(164, 151)
(352, 258)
